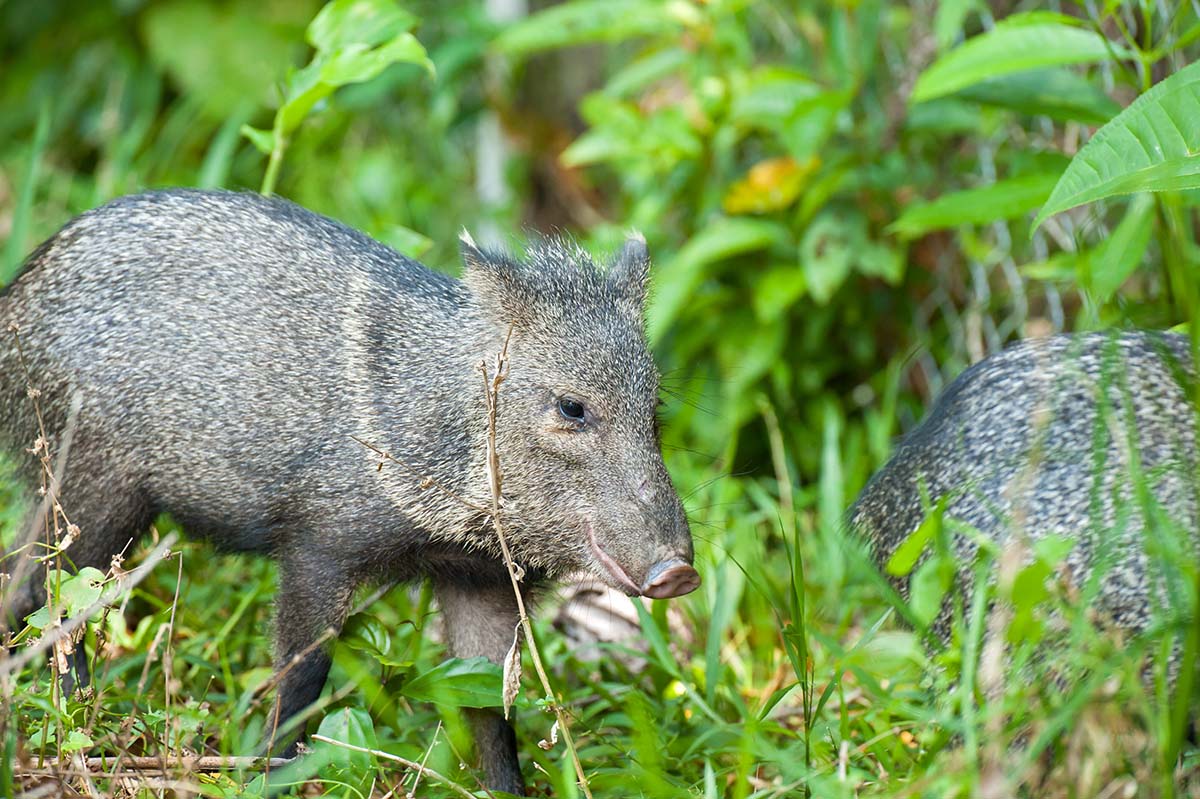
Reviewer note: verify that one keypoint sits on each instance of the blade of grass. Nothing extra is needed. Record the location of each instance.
(15, 250)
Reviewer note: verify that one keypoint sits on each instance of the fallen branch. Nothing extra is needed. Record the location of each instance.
(158, 765)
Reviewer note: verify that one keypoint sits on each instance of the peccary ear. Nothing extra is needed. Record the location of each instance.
(630, 272)
(493, 279)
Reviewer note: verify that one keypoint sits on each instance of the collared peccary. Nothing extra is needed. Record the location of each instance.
(1091, 437)
(228, 349)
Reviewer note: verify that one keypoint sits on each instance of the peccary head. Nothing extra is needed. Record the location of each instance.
(577, 433)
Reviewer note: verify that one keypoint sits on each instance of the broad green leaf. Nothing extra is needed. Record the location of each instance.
(1053, 549)
(724, 238)
(1060, 94)
(80, 591)
(777, 290)
(826, 255)
(659, 140)
(356, 63)
(1017, 44)
(584, 22)
(948, 20)
(40, 619)
(594, 147)
(645, 71)
(928, 587)
(1153, 145)
(338, 763)
(73, 593)
(263, 140)
(905, 557)
(305, 89)
(76, 741)
(769, 97)
(366, 633)
(1103, 270)
(369, 22)
(407, 241)
(813, 122)
(748, 350)
(878, 260)
(896, 652)
(458, 683)
(1004, 199)
(945, 116)
(1058, 267)
(257, 46)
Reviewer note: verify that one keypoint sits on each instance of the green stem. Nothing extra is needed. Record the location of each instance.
(276, 160)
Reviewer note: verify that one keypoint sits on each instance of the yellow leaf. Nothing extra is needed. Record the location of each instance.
(770, 185)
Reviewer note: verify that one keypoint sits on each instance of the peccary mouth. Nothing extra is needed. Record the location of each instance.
(624, 582)
(666, 579)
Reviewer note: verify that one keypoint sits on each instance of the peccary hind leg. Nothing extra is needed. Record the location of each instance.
(311, 605)
(481, 621)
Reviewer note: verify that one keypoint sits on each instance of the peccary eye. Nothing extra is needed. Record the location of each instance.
(570, 409)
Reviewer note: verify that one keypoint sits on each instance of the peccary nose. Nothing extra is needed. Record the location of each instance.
(670, 578)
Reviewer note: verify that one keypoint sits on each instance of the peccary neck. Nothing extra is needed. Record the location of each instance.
(413, 365)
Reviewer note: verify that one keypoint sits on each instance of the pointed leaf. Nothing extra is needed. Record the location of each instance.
(458, 683)
(1019, 43)
(76, 741)
(905, 556)
(1004, 199)
(1108, 266)
(583, 22)
(1153, 145)
(948, 20)
(928, 586)
(357, 63)
(826, 255)
(345, 22)
(338, 763)
(1060, 94)
(723, 238)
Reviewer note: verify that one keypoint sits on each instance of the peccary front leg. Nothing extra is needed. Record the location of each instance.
(480, 622)
(311, 605)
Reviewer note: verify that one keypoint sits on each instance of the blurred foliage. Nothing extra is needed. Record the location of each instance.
(840, 200)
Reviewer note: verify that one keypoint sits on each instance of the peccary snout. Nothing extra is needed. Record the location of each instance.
(670, 578)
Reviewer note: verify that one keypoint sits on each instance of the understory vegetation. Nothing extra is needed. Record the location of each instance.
(847, 203)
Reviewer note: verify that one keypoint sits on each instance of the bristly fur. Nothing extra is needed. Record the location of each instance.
(230, 348)
(1054, 437)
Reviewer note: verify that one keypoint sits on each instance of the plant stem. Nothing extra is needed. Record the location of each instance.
(275, 161)
(492, 388)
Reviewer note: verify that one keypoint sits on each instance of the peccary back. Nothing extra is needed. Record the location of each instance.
(229, 352)
(1057, 436)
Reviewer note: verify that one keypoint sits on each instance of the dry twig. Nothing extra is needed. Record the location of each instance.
(492, 383)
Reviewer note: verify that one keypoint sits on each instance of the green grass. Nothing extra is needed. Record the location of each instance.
(786, 671)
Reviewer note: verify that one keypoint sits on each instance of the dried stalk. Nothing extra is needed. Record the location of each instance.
(491, 385)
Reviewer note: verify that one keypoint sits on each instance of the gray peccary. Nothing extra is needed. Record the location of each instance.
(230, 348)
(1057, 436)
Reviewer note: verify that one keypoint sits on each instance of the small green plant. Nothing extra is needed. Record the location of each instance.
(354, 40)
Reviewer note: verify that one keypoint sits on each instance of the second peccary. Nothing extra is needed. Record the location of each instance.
(1060, 436)
(228, 349)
